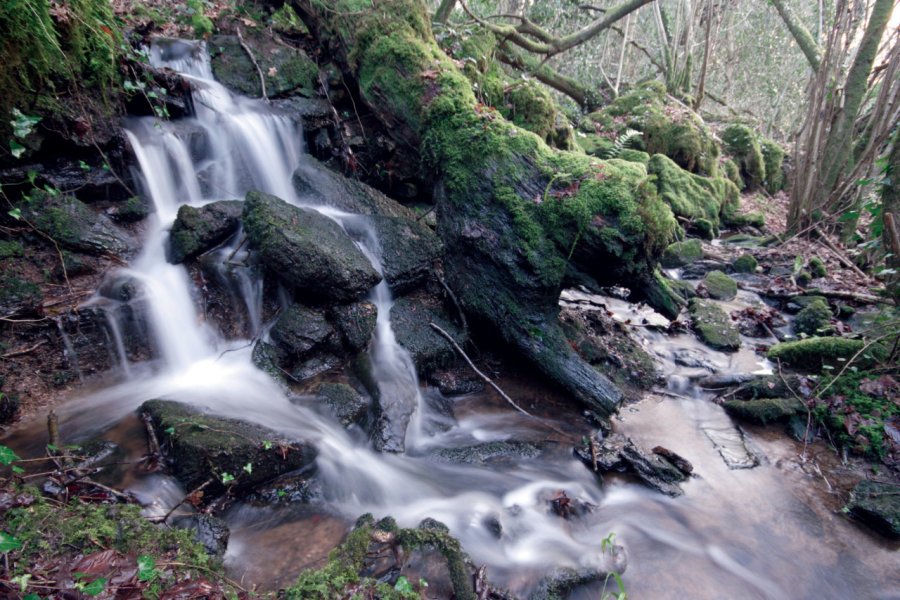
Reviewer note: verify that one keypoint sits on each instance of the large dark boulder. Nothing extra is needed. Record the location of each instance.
(301, 332)
(229, 454)
(197, 230)
(286, 70)
(308, 251)
(355, 322)
(346, 403)
(410, 320)
(408, 251)
(877, 505)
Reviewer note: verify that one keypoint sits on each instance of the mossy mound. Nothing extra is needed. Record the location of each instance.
(681, 254)
(773, 157)
(197, 230)
(764, 410)
(815, 353)
(733, 172)
(745, 263)
(348, 406)
(817, 268)
(636, 156)
(814, 319)
(692, 196)
(720, 286)
(713, 325)
(743, 144)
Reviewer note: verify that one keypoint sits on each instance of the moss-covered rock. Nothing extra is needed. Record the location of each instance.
(743, 144)
(227, 453)
(745, 263)
(197, 230)
(815, 352)
(693, 196)
(681, 135)
(347, 404)
(773, 157)
(733, 172)
(309, 252)
(764, 410)
(596, 145)
(681, 254)
(817, 268)
(814, 319)
(720, 286)
(636, 156)
(286, 70)
(877, 505)
(703, 228)
(713, 325)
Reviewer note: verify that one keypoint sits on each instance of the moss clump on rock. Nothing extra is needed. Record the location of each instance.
(733, 172)
(713, 325)
(720, 286)
(681, 254)
(764, 410)
(745, 263)
(816, 352)
(636, 156)
(704, 228)
(773, 157)
(197, 230)
(814, 319)
(817, 268)
(742, 143)
(693, 196)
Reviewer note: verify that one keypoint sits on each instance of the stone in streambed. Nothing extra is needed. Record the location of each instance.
(301, 332)
(720, 286)
(814, 319)
(488, 452)
(878, 506)
(204, 447)
(197, 230)
(410, 318)
(355, 322)
(619, 453)
(764, 410)
(408, 251)
(745, 263)
(814, 353)
(348, 406)
(713, 326)
(308, 251)
(683, 253)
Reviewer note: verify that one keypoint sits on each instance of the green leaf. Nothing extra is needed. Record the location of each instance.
(7, 456)
(17, 470)
(16, 148)
(16, 213)
(23, 124)
(227, 477)
(146, 568)
(95, 587)
(31, 175)
(84, 166)
(8, 543)
(267, 445)
(21, 581)
(170, 430)
(32, 596)
(248, 468)
(403, 585)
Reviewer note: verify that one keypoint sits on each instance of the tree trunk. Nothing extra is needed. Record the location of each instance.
(510, 210)
(890, 197)
(801, 34)
(442, 14)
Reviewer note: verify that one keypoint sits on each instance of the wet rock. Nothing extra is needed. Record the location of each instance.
(205, 448)
(454, 382)
(713, 326)
(814, 353)
(488, 452)
(265, 357)
(683, 288)
(698, 269)
(719, 286)
(433, 537)
(802, 429)
(212, 532)
(301, 332)
(410, 318)
(315, 366)
(773, 386)
(877, 505)
(764, 410)
(355, 322)
(98, 454)
(690, 357)
(654, 470)
(308, 251)
(605, 453)
(683, 253)
(91, 338)
(73, 225)
(346, 403)
(559, 584)
(290, 488)
(197, 230)
(90, 182)
(732, 446)
(132, 210)
(408, 251)
(725, 380)
(703, 228)
(814, 319)
(679, 462)
(286, 70)
(745, 263)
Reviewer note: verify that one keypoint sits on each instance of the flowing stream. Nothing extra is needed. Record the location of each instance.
(737, 533)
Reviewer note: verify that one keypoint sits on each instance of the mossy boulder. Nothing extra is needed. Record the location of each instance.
(346, 403)
(743, 144)
(286, 70)
(206, 448)
(197, 230)
(877, 505)
(682, 136)
(703, 228)
(814, 319)
(720, 286)
(745, 263)
(595, 145)
(713, 325)
(681, 254)
(817, 268)
(764, 410)
(635, 156)
(665, 295)
(308, 251)
(408, 251)
(733, 172)
(773, 157)
(74, 225)
(814, 353)
(692, 196)
(355, 322)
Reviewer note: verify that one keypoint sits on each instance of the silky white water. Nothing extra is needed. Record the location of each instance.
(735, 534)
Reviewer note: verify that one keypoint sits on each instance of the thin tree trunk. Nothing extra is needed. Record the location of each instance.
(442, 14)
(701, 87)
(622, 55)
(801, 34)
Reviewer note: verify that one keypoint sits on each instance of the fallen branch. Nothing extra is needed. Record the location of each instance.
(487, 379)
(462, 315)
(838, 254)
(15, 353)
(199, 489)
(838, 294)
(262, 78)
(154, 454)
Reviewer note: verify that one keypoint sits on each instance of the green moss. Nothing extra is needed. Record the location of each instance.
(692, 196)
(815, 353)
(742, 143)
(595, 145)
(773, 157)
(637, 156)
(681, 254)
(745, 263)
(11, 249)
(704, 228)
(720, 286)
(814, 319)
(713, 325)
(817, 268)
(733, 173)
(665, 295)
(764, 410)
(681, 136)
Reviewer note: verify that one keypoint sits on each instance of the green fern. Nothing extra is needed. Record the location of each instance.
(623, 141)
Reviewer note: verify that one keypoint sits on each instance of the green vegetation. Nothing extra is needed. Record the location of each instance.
(681, 254)
(764, 410)
(742, 143)
(773, 157)
(693, 196)
(814, 319)
(745, 263)
(720, 286)
(818, 353)
(713, 325)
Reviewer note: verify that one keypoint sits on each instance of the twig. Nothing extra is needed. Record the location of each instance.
(182, 501)
(838, 254)
(153, 450)
(25, 351)
(474, 368)
(462, 315)
(262, 78)
(237, 248)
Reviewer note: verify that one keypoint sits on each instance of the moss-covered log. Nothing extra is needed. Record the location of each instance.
(511, 211)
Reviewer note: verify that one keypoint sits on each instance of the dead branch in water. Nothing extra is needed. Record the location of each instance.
(28, 350)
